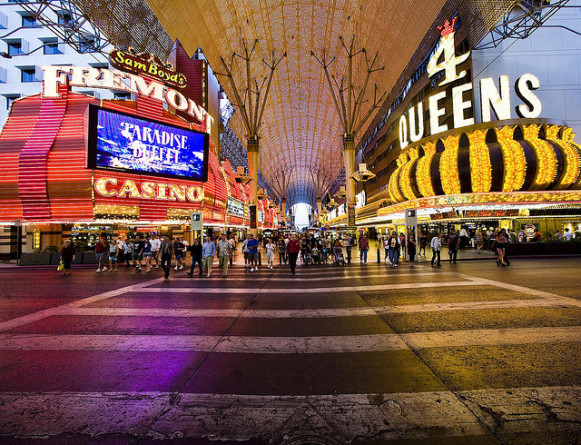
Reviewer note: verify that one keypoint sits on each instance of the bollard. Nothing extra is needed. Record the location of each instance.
(378, 255)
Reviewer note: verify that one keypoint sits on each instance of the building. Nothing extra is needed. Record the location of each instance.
(482, 138)
(26, 45)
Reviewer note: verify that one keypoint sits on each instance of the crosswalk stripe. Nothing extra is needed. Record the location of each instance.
(291, 345)
(271, 290)
(312, 279)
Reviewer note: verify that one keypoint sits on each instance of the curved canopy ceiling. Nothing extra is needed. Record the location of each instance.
(301, 127)
(301, 131)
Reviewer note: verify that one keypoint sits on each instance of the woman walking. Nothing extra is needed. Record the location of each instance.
(293, 248)
(270, 253)
(113, 255)
(500, 244)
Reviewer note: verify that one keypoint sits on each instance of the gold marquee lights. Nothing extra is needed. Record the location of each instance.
(547, 154)
(515, 164)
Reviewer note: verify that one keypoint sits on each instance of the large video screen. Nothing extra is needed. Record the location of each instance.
(121, 142)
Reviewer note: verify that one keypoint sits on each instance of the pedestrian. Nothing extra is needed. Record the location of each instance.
(423, 243)
(178, 251)
(293, 248)
(269, 253)
(208, 253)
(223, 253)
(411, 247)
(348, 246)
(165, 252)
(129, 252)
(394, 245)
(436, 245)
(568, 235)
(196, 252)
(138, 252)
(67, 256)
(385, 242)
(113, 255)
(232, 248)
(121, 251)
(463, 238)
(100, 254)
(479, 240)
(363, 248)
(155, 245)
(246, 252)
(500, 245)
(281, 251)
(252, 246)
(453, 243)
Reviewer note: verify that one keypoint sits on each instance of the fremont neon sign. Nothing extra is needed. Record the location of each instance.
(411, 123)
(76, 76)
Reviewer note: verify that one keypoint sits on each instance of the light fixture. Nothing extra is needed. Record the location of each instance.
(262, 194)
(341, 193)
(241, 177)
(363, 174)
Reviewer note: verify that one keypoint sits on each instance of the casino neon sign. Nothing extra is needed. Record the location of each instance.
(110, 187)
(78, 76)
(411, 123)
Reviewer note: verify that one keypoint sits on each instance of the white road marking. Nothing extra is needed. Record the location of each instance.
(492, 337)
(230, 278)
(290, 345)
(36, 316)
(327, 289)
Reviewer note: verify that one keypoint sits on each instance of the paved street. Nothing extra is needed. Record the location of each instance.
(467, 353)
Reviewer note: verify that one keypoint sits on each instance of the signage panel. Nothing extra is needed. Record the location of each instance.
(235, 207)
(121, 142)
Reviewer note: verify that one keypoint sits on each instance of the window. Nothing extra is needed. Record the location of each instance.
(86, 45)
(122, 95)
(15, 48)
(29, 20)
(52, 47)
(11, 98)
(64, 18)
(28, 75)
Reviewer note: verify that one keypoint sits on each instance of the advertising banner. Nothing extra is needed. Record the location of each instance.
(121, 142)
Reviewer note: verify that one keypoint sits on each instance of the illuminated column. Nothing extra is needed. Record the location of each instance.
(349, 159)
(319, 208)
(253, 171)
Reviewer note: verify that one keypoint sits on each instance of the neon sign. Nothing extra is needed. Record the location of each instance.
(119, 81)
(411, 123)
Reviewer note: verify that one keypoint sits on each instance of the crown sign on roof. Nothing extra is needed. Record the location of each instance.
(448, 27)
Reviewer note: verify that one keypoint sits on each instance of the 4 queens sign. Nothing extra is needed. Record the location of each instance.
(417, 122)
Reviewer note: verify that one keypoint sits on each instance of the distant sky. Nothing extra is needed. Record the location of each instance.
(302, 212)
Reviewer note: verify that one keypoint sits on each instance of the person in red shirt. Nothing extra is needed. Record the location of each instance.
(293, 250)
(363, 248)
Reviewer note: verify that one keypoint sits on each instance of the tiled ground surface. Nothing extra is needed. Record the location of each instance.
(468, 353)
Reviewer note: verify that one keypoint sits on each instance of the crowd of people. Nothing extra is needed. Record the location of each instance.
(151, 252)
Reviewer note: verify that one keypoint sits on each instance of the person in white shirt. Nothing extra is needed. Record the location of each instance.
(568, 234)
(463, 237)
(155, 245)
(270, 253)
(232, 244)
(436, 245)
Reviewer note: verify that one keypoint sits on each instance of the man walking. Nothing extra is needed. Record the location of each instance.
(436, 245)
(223, 254)
(453, 242)
(363, 248)
(196, 251)
(166, 251)
(252, 246)
(394, 245)
(208, 253)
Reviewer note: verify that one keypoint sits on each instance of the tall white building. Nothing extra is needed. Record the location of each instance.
(26, 45)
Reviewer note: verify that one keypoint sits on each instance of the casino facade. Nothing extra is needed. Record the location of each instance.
(476, 150)
(57, 178)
